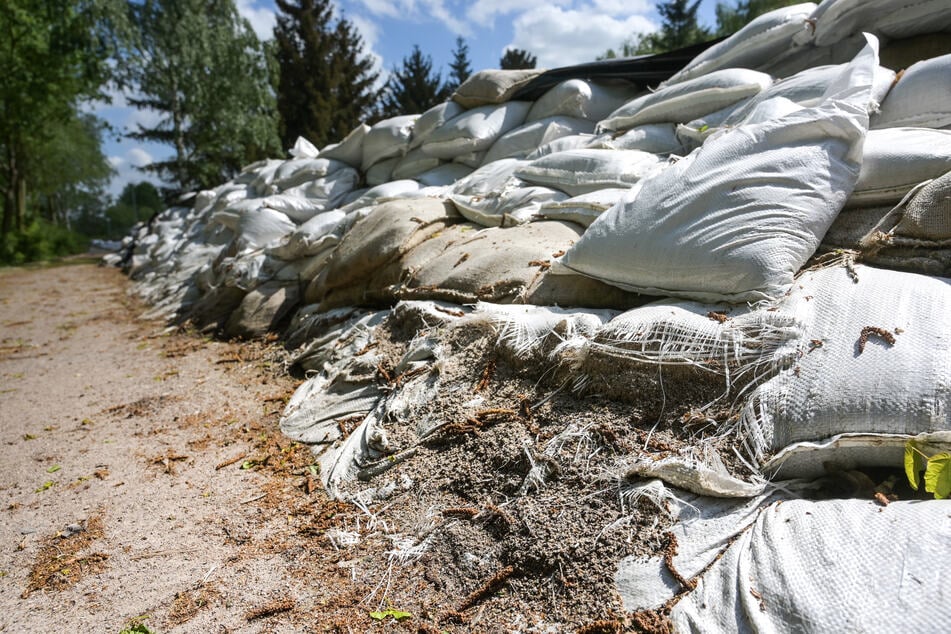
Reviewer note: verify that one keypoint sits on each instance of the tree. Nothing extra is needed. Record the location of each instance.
(679, 28)
(326, 84)
(517, 58)
(54, 55)
(413, 88)
(199, 64)
(460, 68)
(731, 19)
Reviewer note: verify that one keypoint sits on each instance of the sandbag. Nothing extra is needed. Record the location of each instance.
(350, 149)
(570, 142)
(582, 99)
(868, 365)
(584, 209)
(446, 174)
(297, 208)
(262, 309)
(762, 38)
(386, 192)
(895, 160)
(492, 86)
(835, 20)
(921, 97)
(738, 217)
(381, 172)
(432, 119)
(313, 236)
(681, 102)
(332, 188)
(300, 171)
(491, 196)
(525, 139)
(260, 227)
(414, 164)
(475, 130)
(387, 139)
(303, 149)
(389, 231)
(578, 172)
(657, 138)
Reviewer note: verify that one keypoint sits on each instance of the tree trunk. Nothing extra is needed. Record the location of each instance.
(20, 193)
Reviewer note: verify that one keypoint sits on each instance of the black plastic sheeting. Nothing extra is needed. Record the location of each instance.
(648, 70)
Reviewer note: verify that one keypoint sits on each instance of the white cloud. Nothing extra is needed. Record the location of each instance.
(438, 10)
(125, 166)
(620, 7)
(484, 12)
(386, 8)
(262, 20)
(564, 37)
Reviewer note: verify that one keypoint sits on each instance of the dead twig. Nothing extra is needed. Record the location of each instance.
(229, 462)
(487, 588)
(269, 609)
(868, 331)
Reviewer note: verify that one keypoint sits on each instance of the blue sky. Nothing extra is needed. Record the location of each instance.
(558, 32)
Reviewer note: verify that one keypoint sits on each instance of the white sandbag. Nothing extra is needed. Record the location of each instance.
(230, 216)
(381, 172)
(582, 99)
(525, 139)
(570, 142)
(432, 119)
(387, 139)
(229, 194)
(835, 20)
(868, 365)
(332, 188)
(350, 150)
(921, 97)
(800, 58)
(895, 160)
(296, 208)
(578, 172)
(263, 177)
(513, 203)
(764, 37)
(737, 218)
(473, 160)
(299, 171)
(584, 209)
(312, 237)
(446, 174)
(303, 149)
(414, 164)
(687, 100)
(657, 138)
(488, 87)
(475, 130)
(260, 227)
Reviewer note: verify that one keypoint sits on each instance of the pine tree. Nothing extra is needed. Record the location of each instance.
(460, 68)
(199, 64)
(516, 59)
(413, 88)
(325, 83)
(679, 28)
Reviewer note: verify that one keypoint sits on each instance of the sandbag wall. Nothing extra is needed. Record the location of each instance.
(777, 215)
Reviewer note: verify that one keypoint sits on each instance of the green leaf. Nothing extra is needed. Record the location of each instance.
(914, 463)
(399, 615)
(53, 469)
(938, 475)
(379, 616)
(46, 485)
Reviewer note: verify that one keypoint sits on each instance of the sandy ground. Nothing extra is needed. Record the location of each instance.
(143, 485)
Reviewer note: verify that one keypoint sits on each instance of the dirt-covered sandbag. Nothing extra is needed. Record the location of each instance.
(583, 99)
(489, 87)
(510, 265)
(475, 130)
(687, 100)
(577, 172)
(738, 217)
(389, 231)
(762, 38)
(525, 139)
(262, 309)
(921, 96)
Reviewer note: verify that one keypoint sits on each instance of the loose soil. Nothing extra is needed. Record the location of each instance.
(146, 483)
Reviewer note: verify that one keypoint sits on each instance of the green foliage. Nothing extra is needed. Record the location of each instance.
(516, 59)
(937, 468)
(396, 614)
(325, 82)
(460, 68)
(40, 240)
(732, 18)
(679, 28)
(413, 88)
(199, 64)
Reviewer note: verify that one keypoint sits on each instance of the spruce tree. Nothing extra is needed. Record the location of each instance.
(517, 59)
(460, 68)
(732, 18)
(413, 88)
(325, 81)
